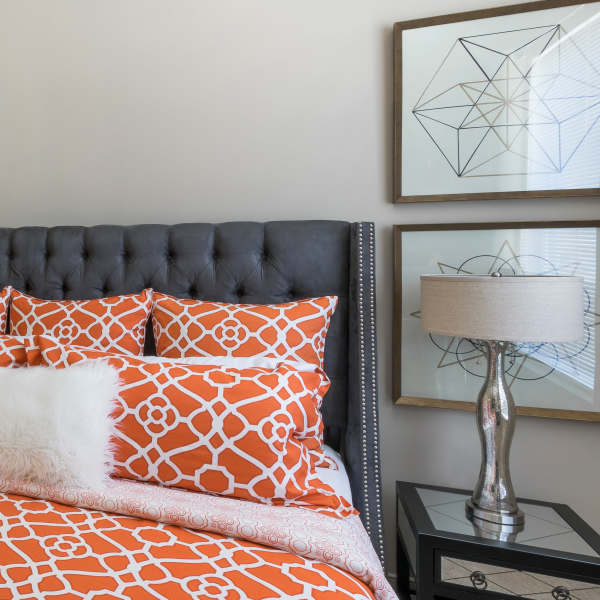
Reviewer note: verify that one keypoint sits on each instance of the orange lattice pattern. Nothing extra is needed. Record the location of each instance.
(116, 324)
(4, 304)
(292, 331)
(234, 432)
(49, 550)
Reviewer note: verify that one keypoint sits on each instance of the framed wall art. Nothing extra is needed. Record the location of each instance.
(548, 380)
(498, 103)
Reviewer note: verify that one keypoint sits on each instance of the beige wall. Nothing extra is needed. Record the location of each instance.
(131, 111)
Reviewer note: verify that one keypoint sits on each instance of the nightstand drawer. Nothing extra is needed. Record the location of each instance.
(522, 584)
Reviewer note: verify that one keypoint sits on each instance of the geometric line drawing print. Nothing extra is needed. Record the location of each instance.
(525, 102)
(470, 355)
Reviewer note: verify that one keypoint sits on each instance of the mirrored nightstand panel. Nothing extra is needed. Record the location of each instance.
(544, 527)
(523, 584)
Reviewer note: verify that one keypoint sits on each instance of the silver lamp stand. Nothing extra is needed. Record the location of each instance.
(493, 500)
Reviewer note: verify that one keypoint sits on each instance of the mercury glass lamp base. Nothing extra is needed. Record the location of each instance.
(506, 519)
(494, 499)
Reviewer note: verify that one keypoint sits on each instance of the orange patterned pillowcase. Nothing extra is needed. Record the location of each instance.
(18, 351)
(4, 304)
(116, 324)
(233, 432)
(294, 331)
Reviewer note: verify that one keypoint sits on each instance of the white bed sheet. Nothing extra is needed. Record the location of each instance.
(337, 479)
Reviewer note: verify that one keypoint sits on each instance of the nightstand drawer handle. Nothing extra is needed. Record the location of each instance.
(480, 583)
(561, 593)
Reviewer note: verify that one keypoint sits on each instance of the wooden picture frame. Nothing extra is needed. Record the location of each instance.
(444, 194)
(413, 399)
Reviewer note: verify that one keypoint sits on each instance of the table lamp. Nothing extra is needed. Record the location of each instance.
(497, 310)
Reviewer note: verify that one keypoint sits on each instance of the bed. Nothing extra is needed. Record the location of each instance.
(142, 541)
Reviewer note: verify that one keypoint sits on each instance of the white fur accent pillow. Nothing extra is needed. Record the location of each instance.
(55, 424)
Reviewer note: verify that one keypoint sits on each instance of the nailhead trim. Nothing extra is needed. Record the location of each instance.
(363, 407)
(363, 349)
(374, 388)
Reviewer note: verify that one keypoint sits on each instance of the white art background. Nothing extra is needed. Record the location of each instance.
(420, 375)
(424, 169)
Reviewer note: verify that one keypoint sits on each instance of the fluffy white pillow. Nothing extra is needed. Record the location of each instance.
(55, 424)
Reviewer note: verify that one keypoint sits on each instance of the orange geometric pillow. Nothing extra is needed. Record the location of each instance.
(294, 331)
(116, 324)
(4, 304)
(18, 351)
(216, 429)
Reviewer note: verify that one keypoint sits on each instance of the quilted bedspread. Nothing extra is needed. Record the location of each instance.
(138, 541)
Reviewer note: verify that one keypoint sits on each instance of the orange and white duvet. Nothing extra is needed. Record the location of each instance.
(137, 541)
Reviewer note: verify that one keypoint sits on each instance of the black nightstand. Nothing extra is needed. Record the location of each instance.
(441, 556)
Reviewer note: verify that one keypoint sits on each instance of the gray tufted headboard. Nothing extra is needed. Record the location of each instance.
(236, 262)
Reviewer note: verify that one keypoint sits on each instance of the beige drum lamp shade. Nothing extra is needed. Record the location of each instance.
(511, 308)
